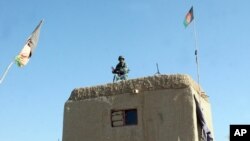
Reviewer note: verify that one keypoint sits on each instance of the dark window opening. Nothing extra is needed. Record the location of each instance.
(124, 117)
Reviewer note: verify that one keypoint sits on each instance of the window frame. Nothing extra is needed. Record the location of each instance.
(124, 118)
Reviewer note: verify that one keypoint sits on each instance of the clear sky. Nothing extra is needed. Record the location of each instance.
(81, 39)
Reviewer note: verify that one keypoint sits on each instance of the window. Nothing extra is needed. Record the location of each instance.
(123, 117)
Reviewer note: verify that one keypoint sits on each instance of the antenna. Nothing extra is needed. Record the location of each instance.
(158, 72)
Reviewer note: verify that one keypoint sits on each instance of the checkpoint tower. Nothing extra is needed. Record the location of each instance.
(154, 108)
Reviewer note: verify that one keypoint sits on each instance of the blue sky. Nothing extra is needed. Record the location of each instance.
(81, 39)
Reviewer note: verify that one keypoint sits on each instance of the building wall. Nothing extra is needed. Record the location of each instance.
(206, 108)
(163, 115)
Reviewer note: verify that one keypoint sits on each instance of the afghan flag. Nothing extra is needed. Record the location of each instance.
(23, 57)
(189, 17)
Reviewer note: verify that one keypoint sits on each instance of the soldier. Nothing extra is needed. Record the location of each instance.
(121, 70)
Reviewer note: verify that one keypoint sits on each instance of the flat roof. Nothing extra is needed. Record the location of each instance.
(155, 82)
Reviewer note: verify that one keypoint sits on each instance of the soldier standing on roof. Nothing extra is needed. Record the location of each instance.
(121, 70)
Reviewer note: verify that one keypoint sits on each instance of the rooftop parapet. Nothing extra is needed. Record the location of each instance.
(156, 82)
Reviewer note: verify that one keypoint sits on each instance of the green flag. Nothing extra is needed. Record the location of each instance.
(23, 57)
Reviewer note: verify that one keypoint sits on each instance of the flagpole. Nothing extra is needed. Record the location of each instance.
(196, 54)
(6, 71)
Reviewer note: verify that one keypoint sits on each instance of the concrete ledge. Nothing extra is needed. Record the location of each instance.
(156, 82)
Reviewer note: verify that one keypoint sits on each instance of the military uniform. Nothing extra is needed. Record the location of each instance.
(121, 70)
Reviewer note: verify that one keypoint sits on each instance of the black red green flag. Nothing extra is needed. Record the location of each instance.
(23, 57)
(189, 17)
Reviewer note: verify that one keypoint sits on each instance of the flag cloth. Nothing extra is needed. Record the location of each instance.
(189, 17)
(23, 57)
(206, 133)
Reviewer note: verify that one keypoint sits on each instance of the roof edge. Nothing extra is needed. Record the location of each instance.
(156, 82)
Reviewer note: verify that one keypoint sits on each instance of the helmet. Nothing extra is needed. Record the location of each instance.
(121, 57)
